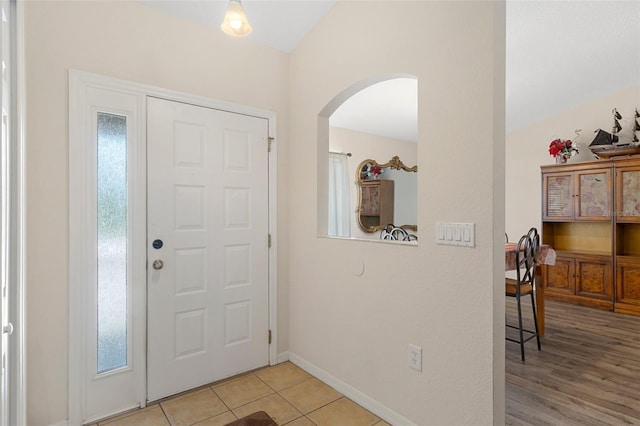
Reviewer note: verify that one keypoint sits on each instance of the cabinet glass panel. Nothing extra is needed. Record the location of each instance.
(630, 193)
(559, 195)
(594, 196)
(371, 200)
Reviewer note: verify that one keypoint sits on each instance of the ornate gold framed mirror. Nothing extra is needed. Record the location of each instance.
(385, 196)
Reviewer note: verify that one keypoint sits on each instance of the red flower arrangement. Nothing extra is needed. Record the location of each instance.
(369, 171)
(562, 147)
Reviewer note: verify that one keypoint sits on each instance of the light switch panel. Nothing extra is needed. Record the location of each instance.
(456, 234)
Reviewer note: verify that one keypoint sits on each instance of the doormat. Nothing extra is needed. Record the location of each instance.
(259, 418)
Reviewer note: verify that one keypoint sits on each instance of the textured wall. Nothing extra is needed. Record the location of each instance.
(528, 148)
(134, 42)
(448, 300)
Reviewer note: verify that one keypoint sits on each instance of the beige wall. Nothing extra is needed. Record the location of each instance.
(528, 148)
(364, 146)
(130, 41)
(448, 300)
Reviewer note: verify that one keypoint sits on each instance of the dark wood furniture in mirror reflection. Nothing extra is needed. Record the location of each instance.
(376, 206)
(377, 195)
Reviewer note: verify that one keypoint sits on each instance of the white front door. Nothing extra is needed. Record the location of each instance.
(207, 247)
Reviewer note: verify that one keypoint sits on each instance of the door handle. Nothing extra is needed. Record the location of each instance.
(158, 264)
(8, 329)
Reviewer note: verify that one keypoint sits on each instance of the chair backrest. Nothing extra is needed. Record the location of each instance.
(410, 237)
(526, 261)
(535, 241)
(392, 232)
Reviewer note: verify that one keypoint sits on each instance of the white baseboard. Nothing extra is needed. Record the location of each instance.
(62, 423)
(283, 357)
(385, 413)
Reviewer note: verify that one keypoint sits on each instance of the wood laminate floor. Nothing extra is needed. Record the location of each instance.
(588, 372)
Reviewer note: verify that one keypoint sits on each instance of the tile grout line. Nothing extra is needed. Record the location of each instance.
(276, 392)
(249, 402)
(210, 387)
(221, 400)
(165, 414)
(272, 392)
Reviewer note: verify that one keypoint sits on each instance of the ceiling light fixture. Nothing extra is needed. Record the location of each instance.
(235, 21)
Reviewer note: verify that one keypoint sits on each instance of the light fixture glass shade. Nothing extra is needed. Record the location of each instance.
(235, 21)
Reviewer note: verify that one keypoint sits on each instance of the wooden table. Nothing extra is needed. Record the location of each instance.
(546, 256)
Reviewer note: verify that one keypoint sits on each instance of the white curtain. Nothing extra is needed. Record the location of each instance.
(339, 199)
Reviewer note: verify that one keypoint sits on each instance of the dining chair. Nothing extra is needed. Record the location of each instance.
(535, 240)
(392, 232)
(523, 285)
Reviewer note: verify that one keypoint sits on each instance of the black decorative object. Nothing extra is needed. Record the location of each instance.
(616, 126)
(603, 140)
(606, 145)
(636, 127)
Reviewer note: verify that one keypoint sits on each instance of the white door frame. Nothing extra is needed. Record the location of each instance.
(16, 363)
(78, 82)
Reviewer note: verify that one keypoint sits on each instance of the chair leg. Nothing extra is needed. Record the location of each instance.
(520, 327)
(535, 319)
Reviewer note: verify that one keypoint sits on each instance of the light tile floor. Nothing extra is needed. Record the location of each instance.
(285, 392)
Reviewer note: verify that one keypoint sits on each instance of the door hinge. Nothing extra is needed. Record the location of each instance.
(269, 336)
(271, 140)
(269, 241)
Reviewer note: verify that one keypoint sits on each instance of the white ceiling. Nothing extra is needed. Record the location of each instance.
(280, 24)
(559, 54)
(388, 108)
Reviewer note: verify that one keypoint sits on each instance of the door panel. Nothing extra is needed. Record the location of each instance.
(594, 278)
(208, 204)
(561, 276)
(628, 283)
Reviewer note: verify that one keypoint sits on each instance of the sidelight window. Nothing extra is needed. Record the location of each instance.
(112, 242)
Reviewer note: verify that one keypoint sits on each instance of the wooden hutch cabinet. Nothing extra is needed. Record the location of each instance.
(579, 194)
(582, 278)
(591, 217)
(627, 235)
(376, 208)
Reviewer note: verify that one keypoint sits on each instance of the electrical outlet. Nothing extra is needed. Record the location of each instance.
(415, 357)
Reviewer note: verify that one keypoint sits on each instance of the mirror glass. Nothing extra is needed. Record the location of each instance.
(375, 127)
(386, 195)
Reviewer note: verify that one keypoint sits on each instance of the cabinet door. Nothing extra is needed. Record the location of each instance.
(628, 283)
(594, 191)
(628, 194)
(558, 196)
(561, 276)
(370, 200)
(594, 277)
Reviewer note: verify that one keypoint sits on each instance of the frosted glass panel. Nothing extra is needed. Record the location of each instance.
(559, 200)
(112, 242)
